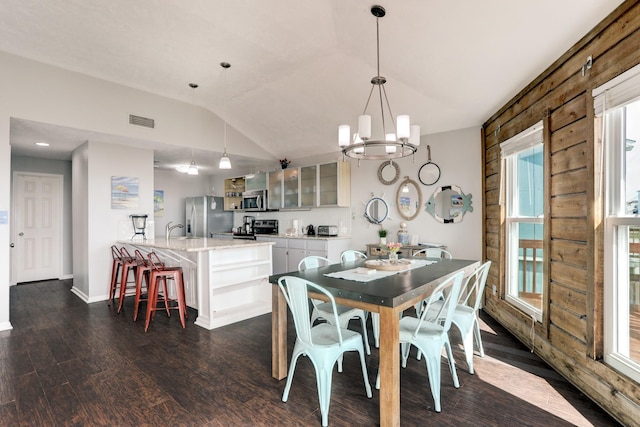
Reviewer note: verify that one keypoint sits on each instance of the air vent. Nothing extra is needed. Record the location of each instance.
(141, 121)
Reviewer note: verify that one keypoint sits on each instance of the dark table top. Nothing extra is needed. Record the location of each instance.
(390, 291)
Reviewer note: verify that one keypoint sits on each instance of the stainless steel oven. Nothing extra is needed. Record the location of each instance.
(254, 201)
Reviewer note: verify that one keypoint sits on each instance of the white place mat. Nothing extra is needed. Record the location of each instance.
(371, 274)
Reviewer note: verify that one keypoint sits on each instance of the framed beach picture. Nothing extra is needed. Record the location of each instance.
(158, 202)
(124, 192)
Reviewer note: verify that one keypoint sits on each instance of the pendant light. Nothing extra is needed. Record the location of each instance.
(403, 142)
(192, 168)
(225, 163)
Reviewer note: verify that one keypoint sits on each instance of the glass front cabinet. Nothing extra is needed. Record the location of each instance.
(325, 185)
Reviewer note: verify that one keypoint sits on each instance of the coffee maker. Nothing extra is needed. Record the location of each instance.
(247, 224)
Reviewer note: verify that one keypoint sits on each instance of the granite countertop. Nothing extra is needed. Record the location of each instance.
(290, 236)
(195, 244)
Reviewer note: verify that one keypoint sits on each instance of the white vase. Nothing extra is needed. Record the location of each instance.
(383, 240)
(393, 257)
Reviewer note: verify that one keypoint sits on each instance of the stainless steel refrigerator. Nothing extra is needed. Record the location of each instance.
(205, 215)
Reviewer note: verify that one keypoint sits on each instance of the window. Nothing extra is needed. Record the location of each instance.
(523, 193)
(617, 102)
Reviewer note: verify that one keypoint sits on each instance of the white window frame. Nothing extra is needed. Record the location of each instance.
(510, 149)
(609, 100)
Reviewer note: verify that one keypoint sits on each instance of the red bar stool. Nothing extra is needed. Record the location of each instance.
(129, 264)
(160, 273)
(143, 271)
(115, 270)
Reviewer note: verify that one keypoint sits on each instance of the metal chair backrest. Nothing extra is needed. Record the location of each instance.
(313, 261)
(126, 256)
(450, 290)
(295, 291)
(351, 255)
(474, 286)
(155, 262)
(115, 253)
(140, 259)
(434, 253)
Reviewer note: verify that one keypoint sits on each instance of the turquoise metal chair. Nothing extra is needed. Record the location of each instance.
(429, 334)
(323, 344)
(322, 310)
(465, 315)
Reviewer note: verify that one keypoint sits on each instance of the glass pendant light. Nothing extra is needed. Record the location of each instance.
(225, 162)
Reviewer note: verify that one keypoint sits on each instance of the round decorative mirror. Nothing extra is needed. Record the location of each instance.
(429, 173)
(408, 199)
(376, 210)
(448, 204)
(388, 172)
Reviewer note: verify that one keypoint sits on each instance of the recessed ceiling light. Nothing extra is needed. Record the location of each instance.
(42, 144)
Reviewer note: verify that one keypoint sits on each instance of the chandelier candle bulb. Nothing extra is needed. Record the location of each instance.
(403, 126)
(390, 148)
(344, 134)
(414, 138)
(364, 127)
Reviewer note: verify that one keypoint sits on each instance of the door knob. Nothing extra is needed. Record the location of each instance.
(21, 234)
(12, 245)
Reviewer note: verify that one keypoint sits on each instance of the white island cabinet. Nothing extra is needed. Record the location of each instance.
(225, 280)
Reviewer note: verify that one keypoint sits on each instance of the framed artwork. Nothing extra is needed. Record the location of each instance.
(124, 192)
(158, 202)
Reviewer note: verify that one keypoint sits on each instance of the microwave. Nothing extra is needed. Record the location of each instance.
(254, 200)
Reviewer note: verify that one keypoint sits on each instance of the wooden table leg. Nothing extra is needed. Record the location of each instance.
(278, 333)
(389, 367)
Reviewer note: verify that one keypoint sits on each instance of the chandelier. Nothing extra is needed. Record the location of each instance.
(402, 142)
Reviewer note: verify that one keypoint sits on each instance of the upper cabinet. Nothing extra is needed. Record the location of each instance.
(334, 183)
(233, 188)
(308, 186)
(255, 181)
(326, 185)
(274, 194)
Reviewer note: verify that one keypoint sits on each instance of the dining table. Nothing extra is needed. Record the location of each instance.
(388, 295)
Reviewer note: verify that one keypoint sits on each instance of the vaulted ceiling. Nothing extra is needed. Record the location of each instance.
(301, 68)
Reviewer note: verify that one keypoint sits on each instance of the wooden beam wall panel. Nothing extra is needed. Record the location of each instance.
(569, 276)
(492, 197)
(493, 240)
(570, 299)
(567, 342)
(569, 229)
(492, 154)
(570, 322)
(570, 182)
(568, 113)
(572, 158)
(572, 253)
(492, 168)
(573, 205)
(492, 182)
(569, 136)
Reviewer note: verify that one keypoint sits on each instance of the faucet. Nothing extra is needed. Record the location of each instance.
(169, 227)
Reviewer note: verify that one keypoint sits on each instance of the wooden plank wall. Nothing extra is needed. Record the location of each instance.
(570, 336)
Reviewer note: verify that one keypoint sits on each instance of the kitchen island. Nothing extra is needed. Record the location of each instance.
(224, 279)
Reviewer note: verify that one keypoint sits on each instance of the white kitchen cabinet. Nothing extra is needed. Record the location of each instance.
(308, 186)
(289, 251)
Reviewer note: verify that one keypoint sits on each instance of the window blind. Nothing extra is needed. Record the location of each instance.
(617, 92)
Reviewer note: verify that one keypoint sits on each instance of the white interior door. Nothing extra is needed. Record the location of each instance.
(37, 227)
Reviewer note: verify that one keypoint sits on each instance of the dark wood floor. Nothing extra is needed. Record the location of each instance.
(68, 363)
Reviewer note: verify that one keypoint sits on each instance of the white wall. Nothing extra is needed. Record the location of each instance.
(457, 153)
(104, 225)
(5, 209)
(176, 187)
